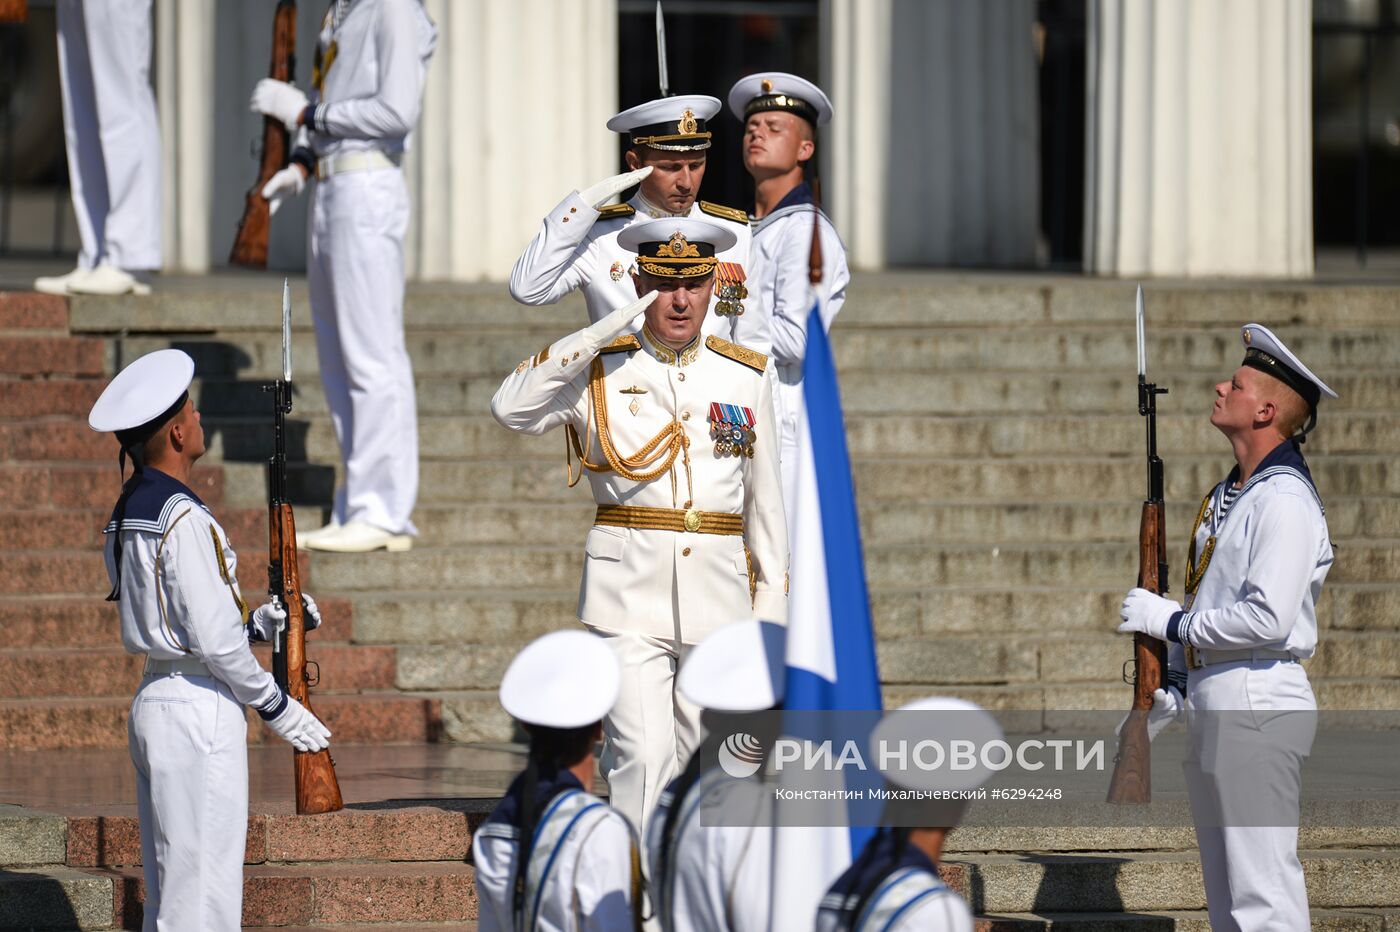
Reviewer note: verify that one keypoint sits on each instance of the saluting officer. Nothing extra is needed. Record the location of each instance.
(676, 433)
(367, 89)
(577, 246)
(712, 877)
(781, 113)
(893, 885)
(174, 578)
(1260, 551)
(552, 856)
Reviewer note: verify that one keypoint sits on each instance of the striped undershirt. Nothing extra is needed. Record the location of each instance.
(1227, 499)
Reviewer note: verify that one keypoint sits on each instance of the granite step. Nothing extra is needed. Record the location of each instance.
(82, 572)
(47, 356)
(468, 436)
(1112, 882)
(81, 528)
(1327, 920)
(255, 354)
(387, 717)
(95, 673)
(39, 485)
(31, 314)
(55, 898)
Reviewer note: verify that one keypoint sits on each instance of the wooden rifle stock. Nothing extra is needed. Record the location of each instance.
(317, 789)
(250, 244)
(14, 11)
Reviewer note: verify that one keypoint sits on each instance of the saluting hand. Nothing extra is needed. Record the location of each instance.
(615, 324)
(599, 194)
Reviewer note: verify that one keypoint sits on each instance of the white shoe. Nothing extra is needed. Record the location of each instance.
(58, 284)
(358, 537)
(304, 538)
(107, 280)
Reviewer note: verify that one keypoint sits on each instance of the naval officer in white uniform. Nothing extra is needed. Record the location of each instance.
(781, 113)
(718, 877)
(676, 433)
(577, 246)
(552, 857)
(1259, 554)
(893, 885)
(174, 578)
(371, 64)
(113, 142)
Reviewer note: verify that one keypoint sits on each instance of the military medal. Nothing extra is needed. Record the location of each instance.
(731, 428)
(730, 289)
(615, 273)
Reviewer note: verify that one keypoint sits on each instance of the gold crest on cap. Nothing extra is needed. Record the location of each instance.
(687, 125)
(766, 86)
(678, 244)
(1247, 337)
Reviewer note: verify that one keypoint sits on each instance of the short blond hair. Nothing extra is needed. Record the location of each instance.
(1291, 409)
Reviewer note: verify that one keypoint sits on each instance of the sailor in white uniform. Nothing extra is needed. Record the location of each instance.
(371, 64)
(781, 113)
(675, 432)
(113, 141)
(577, 245)
(174, 577)
(552, 857)
(712, 877)
(1259, 554)
(893, 885)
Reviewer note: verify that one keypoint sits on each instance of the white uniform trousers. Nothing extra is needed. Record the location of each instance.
(1249, 761)
(652, 729)
(188, 739)
(356, 277)
(111, 131)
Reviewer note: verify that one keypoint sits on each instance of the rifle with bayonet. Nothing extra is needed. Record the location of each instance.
(317, 789)
(250, 243)
(1132, 768)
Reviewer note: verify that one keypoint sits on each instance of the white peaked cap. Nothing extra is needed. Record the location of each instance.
(566, 679)
(778, 90)
(941, 719)
(664, 230)
(738, 668)
(143, 391)
(1267, 353)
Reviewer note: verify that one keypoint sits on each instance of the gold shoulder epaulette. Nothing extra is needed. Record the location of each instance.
(727, 213)
(615, 211)
(740, 354)
(624, 344)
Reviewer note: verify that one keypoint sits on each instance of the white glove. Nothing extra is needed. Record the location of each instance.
(1148, 613)
(300, 728)
(279, 100)
(288, 182)
(1167, 707)
(599, 194)
(603, 332)
(269, 618)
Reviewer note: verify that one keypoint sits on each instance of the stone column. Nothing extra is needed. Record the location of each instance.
(184, 43)
(932, 157)
(1198, 156)
(513, 119)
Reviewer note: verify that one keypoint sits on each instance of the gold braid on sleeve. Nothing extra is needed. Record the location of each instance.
(669, 443)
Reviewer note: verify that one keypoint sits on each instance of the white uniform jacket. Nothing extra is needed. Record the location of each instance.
(1268, 557)
(179, 587)
(908, 897)
(713, 877)
(581, 872)
(368, 83)
(665, 583)
(577, 248)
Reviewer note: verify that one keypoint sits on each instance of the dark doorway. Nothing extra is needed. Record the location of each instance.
(710, 44)
(1061, 33)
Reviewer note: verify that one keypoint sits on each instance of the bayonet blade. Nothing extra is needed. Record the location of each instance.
(286, 330)
(661, 52)
(1141, 338)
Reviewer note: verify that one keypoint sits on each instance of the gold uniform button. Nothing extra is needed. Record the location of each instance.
(685, 416)
(573, 210)
(685, 552)
(566, 219)
(573, 357)
(681, 376)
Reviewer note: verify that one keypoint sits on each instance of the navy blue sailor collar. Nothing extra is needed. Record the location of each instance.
(1287, 457)
(877, 861)
(507, 811)
(151, 503)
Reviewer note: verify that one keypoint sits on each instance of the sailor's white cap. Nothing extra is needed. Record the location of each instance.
(778, 90)
(940, 719)
(676, 247)
(566, 679)
(673, 124)
(1267, 353)
(738, 668)
(144, 392)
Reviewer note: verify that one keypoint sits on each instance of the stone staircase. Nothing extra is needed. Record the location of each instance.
(998, 458)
